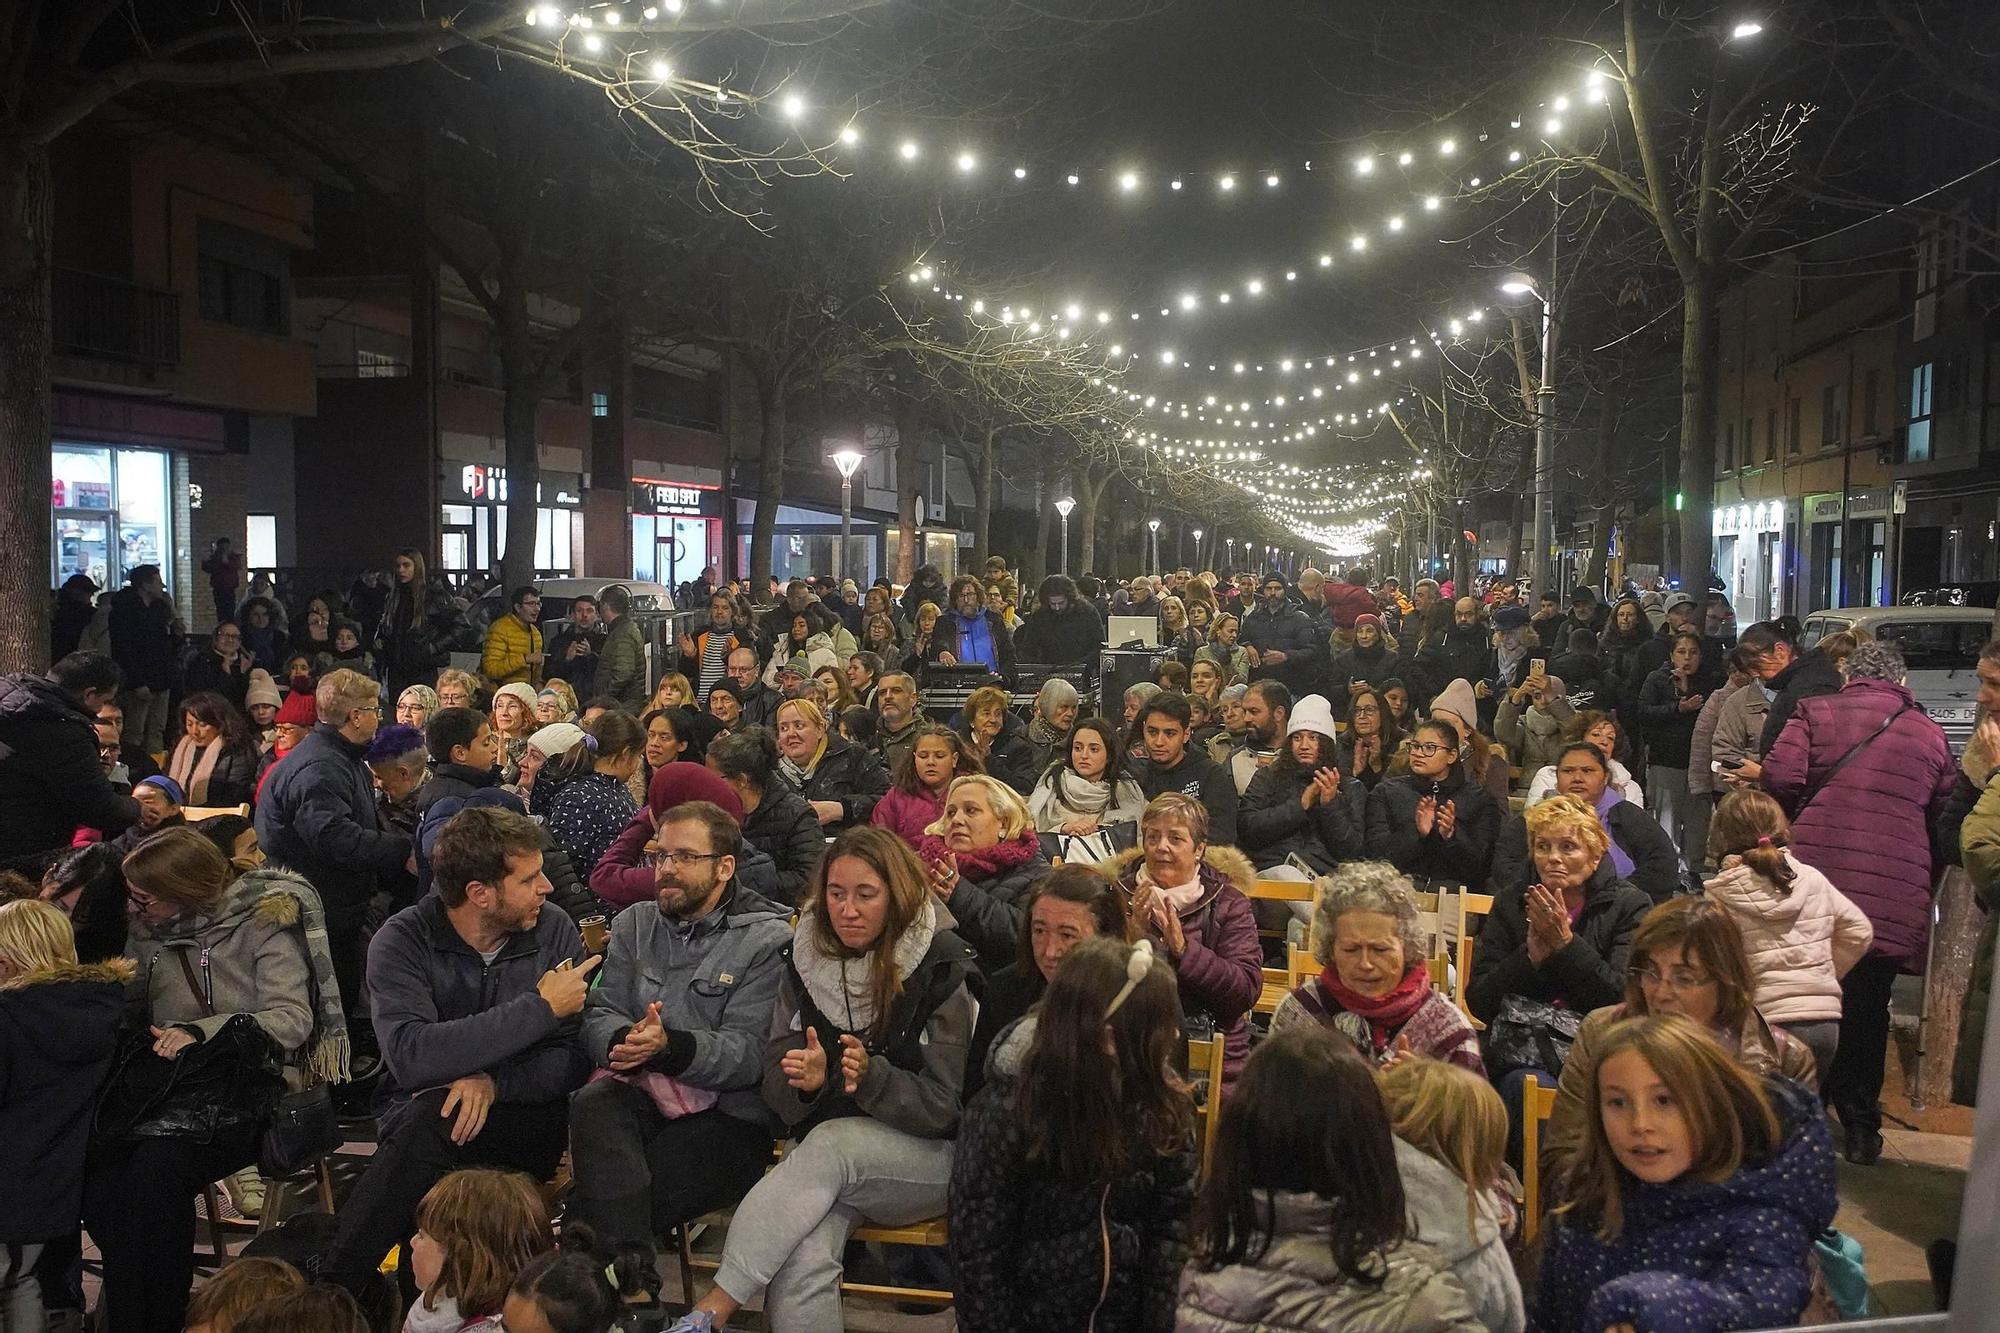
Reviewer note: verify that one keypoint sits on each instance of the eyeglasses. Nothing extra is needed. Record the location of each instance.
(1365, 712)
(371, 708)
(1426, 747)
(683, 860)
(1679, 979)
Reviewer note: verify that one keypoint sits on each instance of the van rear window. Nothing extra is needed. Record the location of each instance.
(1935, 645)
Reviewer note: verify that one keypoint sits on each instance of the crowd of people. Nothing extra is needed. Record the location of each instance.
(294, 887)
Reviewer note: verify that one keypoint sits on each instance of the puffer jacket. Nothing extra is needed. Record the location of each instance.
(906, 813)
(1464, 858)
(1800, 941)
(1739, 726)
(1869, 831)
(1979, 842)
(1292, 632)
(1701, 1255)
(1271, 824)
(1034, 1251)
(1473, 1247)
(1587, 973)
(509, 643)
(621, 665)
(1533, 735)
(1295, 1285)
(414, 636)
(317, 815)
(784, 828)
(50, 781)
(851, 775)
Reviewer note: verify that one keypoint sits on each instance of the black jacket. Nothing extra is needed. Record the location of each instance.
(1623, 672)
(1457, 654)
(1010, 993)
(58, 1033)
(784, 827)
(1202, 778)
(760, 704)
(50, 781)
(1293, 633)
(413, 639)
(206, 671)
(1656, 862)
(1271, 824)
(1584, 680)
(1655, 652)
(1356, 665)
(851, 775)
(1036, 1251)
(990, 910)
(1667, 729)
(1464, 858)
(142, 639)
(1012, 758)
(1587, 974)
(945, 640)
(317, 815)
(1810, 676)
(581, 672)
(1067, 638)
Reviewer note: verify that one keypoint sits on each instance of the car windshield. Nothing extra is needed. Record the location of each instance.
(1936, 645)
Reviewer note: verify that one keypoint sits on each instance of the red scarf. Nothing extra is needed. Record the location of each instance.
(983, 863)
(1385, 1013)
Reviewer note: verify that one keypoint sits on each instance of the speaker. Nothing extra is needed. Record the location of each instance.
(1119, 669)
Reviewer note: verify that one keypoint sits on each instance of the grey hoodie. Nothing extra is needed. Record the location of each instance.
(1475, 1252)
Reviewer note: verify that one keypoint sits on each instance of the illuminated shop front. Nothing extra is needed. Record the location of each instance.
(676, 529)
(474, 534)
(112, 510)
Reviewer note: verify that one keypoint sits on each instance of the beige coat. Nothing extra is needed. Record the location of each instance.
(256, 965)
(1800, 944)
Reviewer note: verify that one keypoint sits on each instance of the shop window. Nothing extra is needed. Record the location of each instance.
(1917, 439)
(244, 278)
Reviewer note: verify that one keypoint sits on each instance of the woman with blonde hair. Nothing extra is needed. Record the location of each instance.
(457, 689)
(1698, 1191)
(513, 723)
(840, 780)
(1176, 634)
(928, 642)
(864, 1067)
(476, 1229)
(673, 691)
(59, 1024)
(982, 857)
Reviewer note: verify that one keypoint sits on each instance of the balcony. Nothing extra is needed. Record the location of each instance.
(108, 319)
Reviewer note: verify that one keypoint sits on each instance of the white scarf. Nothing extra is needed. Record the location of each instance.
(839, 987)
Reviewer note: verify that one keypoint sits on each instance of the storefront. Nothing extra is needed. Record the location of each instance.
(676, 529)
(112, 511)
(805, 538)
(1749, 555)
(1848, 550)
(475, 518)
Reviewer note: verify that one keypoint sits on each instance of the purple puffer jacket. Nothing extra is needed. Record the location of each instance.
(1870, 831)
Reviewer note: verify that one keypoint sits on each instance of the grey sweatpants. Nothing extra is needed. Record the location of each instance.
(787, 1235)
(20, 1294)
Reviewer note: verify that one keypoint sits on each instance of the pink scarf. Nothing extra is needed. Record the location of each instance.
(192, 767)
(983, 863)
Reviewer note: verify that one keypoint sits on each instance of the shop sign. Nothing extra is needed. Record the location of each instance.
(481, 483)
(675, 497)
(1871, 502)
(81, 494)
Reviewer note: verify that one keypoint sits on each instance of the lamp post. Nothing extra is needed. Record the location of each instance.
(1197, 549)
(1153, 526)
(1063, 506)
(848, 461)
(1229, 543)
(1520, 284)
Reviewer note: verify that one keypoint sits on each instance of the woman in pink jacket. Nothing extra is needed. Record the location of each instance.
(1801, 934)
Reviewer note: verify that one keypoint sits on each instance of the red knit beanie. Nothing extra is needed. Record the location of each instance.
(298, 710)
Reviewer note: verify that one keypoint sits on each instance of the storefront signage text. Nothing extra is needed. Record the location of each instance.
(666, 497)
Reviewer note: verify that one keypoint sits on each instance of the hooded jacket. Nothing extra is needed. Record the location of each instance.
(1286, 629)
(1800, 941)
(1069, 637)
(1472, 1245)
(1869, 829)
(1462, 858)
(1701, 1255)
(50, 781)
(58, 1034)
(1295, 1285)
(1587, 973)
(1198, 776)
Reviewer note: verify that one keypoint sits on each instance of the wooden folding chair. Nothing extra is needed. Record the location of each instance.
(1537, 1104)
(1205, 1059)
(1470, 905)
(1282, 891)
(194, 814)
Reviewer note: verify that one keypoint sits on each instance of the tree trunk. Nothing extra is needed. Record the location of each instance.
(1036, 567)
(1948, 980)
(1516, 535)
(982, 488)
(24, 406)
(1088, 493)
(770, 484)
(1700, 403)
(909, 486)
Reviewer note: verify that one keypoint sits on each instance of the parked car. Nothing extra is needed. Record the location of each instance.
(1940, 645)
(1981, 593)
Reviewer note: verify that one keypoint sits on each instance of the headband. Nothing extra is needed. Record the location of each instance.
(1136, 967)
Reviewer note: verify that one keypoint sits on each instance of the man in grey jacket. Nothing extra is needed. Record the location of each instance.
(682, 1011)
(476, 993)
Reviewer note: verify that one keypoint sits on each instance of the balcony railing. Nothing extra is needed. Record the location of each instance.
(113, 320)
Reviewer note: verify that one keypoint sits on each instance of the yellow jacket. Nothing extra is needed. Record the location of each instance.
(509, 641)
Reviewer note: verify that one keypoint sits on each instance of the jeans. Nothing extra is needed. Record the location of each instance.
(788, 1233)
(639, 1174)
(138, 1204)
(415, 1151)
(1853, 1084)
(20, 1294)
(1822, 1039)
(146, 712)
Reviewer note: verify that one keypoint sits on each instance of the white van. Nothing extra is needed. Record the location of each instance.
(1940, 646)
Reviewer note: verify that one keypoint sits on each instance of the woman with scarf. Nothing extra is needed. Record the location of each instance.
(840, 780)
(264, 638)
(865, 1067)
(982, 858)
(1055, 710)
(1372, 660)
(1374, 986)
(1433, 823)
(211, 946)
(1087, 798)
(216, 759)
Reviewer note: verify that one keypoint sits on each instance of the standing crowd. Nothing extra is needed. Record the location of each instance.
(593, 950)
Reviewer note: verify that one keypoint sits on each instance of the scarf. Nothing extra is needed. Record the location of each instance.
(1080, 795)
(325, 1055)
(192, 766)
(800, 774)
(1620, 861)
(839, 987)
(984, 863)
(1384, 1013)
(1044, 733)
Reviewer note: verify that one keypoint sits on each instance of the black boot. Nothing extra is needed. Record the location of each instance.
(1864, 1146)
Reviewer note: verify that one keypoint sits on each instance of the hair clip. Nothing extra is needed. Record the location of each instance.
(1764, 841)
(590, 742)
(1136, 967)
(611, 1275)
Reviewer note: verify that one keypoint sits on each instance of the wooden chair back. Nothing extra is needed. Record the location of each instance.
(1537, 1105)
(194, 814)
(1470, 906)
(1205, 1059)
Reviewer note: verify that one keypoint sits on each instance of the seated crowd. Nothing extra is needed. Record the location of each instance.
(583, 957)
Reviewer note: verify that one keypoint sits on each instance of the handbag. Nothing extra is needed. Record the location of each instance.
(1530, 1034)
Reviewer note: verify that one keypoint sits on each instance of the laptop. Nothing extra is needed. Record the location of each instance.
(1124, 630)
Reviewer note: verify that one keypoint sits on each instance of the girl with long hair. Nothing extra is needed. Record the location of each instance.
(864, 1068)
(915, 798)
(413, 637)
(476, 1229)
(673, 691)
(1697, 1193)
(1088, 796)
(1302, 1222)
(215, 761)
(1073, 1181)
(1434, 823)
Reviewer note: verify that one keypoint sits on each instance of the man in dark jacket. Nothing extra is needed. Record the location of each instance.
(902, 717)
(1785, 675)
(1172, 765)
(1463, 652)
(926, 585)
(573, 650)
(142, 643)
(1579, 666)
(465, 752)
(1641, 851)
(1283, 643)
(687, 990)
(476, 994)
(51, 782)
(758, 700)
(1064, 629)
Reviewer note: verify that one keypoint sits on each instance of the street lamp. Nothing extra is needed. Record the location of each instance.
(1197, 548)
(849, 462)
(1063, 506)
(1520, 284)
(1153, 525)
(1229, 543)
(1746, 29)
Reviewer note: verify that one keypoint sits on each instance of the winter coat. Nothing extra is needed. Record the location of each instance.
(1533, 735)
(1221, 971)
(569, 891)
(1011, 759)
(1869, 831)
(1699, 1255)
(1979, 840)
(50, 781)
(1810, 676)
(1656, 862)
(442, 1012)
(1392, 835)
(586, 817)
(1292, 632)
(785, 828)
(1071, 637)
(1473, 1247)
(414, 636)
(851, 775)
(1587, 973)
(206, 672)
(1358, 665)
(503, 659)
(951, 634)
(621, 665)
(1739, 726)
(1582, 676)
(317, 816)
(907, 814)
(1035, 1251)
(1622, 674)
(142, 639)
(1345, 602)
(1800, 941)
(1668, 731)
(988, 908)
(1294, 1285)
(715, 981)
(232, 781)
(1198, 776)
(58, 1033)
(1271, 824)
(1457, 654)
(1658, 651)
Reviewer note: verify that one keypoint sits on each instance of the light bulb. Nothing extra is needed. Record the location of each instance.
(1553, 126)
(850, 135)
(1326, 261)
(1404, 159)
(793, 106)
(979, 307)
(909, 150)
(1365, 166)
(1359, 243)
(1226, 183)
(1448, 147)
(1071, 178)
(1271, 180)
(1128, 181)
(661, 71)
(1188, 301)
(612, 18)
(1255, 287)
(1020, 173)
(1167, 358)
(1396, 224)
(966, 162)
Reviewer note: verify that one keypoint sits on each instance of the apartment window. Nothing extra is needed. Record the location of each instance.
(244, 278)
(676, 399)
(1917, 448)
(1771, 436)
(1728, 458)
(600, 404)
(1829, 416)
(1871, 397)
(1792, 418)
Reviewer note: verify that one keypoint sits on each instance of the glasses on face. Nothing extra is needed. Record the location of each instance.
(1673, 979)
(680, 860)
(1425, 747)
(370, 708)
(1366, 710)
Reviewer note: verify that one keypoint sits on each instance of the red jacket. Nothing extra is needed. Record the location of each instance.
(1345, 601)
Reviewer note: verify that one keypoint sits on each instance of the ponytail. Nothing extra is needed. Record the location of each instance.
(1752, 826)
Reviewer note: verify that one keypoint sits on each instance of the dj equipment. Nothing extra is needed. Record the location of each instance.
(1119, 669)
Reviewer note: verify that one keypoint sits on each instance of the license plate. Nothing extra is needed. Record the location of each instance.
(1947, 717)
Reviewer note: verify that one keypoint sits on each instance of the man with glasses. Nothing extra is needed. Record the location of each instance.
(513, 650)
(757, 701)
(683, 1009)
(1640, 850)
